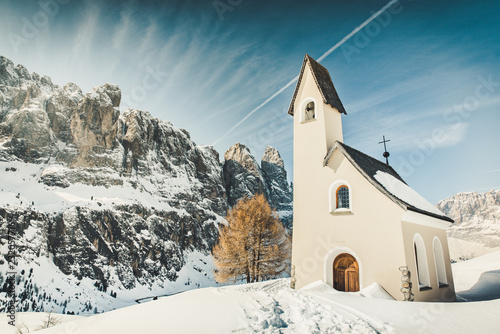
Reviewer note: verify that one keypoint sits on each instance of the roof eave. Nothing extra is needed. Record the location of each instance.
(299, 79)
(430, 214)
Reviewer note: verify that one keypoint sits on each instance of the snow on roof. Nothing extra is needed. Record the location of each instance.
(405, 193)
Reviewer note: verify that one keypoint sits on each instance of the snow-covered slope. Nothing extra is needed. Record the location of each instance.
(477, 223)
(479, 278)
(29, 322)
(272, 307)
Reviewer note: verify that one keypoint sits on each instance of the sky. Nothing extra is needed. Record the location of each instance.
(425, 74)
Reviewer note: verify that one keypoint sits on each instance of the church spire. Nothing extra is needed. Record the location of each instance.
(323, 82)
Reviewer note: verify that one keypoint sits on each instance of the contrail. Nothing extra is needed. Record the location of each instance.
(323, 56)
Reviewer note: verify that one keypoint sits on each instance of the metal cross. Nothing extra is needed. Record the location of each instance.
(386, 154)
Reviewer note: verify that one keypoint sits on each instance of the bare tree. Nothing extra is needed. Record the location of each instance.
(49, 322)
(253, 246)
(22, 328)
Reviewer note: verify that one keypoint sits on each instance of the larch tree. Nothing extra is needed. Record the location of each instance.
(253, 246)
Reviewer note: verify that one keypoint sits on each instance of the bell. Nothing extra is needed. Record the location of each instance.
(310, 106)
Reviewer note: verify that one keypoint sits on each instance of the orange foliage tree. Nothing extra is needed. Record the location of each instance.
(253, 246)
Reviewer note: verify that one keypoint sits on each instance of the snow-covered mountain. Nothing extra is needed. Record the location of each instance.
(477, 223)
(244, 177)
(273, 169)
(108, 206)
(242, 174)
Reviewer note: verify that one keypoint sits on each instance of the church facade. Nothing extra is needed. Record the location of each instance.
(355, 221)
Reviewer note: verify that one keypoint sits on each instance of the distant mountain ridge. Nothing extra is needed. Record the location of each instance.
(477, 220)
(122, 201)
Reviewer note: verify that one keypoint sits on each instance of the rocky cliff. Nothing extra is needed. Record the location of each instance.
(243, 176)
(108, 201)
(477, 217)
(278, 189)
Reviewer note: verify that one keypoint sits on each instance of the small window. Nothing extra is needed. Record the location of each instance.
(310, 112)
(424, 282)
(343, 197)
(440, 263)
(340, 198)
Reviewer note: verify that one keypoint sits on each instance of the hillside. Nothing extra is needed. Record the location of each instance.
(109, 206)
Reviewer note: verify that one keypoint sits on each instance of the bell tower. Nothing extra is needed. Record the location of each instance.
(317, 111)
(317, 126)
(316, 108)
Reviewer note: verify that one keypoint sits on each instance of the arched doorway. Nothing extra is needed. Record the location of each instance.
(345, 273)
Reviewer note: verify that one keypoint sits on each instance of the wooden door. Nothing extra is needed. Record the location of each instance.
(345, 273)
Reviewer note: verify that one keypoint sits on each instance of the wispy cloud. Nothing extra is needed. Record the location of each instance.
(485, 189)
(492, 171)
(84, 37)
(123, 29)
(493, 102)
(410, 113)
(406, 131)
(323, 56)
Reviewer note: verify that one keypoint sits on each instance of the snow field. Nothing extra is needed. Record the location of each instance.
(272, 307)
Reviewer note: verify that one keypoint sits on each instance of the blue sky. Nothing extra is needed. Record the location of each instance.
(425, 74)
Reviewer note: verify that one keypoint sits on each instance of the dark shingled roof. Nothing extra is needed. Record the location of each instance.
(324, 83)
(369, 166)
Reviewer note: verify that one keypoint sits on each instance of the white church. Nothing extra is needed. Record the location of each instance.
(355, 220)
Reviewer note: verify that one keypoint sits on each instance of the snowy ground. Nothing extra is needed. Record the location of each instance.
(28, 322)
(272, 307)
(461, 250)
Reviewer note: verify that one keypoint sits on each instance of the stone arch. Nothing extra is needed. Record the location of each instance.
(330, 258)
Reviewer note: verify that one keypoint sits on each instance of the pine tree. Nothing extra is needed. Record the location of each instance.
(253, 245)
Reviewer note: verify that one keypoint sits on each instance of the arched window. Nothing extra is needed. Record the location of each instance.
(421, 262)
(340, 196)
(440, 264)
(343, 197)
(310, 111)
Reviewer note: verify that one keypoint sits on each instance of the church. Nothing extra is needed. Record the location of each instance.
(355, 220)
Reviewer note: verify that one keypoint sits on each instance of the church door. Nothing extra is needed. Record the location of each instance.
(345, 273)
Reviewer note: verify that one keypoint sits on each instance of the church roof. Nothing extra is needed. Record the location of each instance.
(382, 177)
(324, 83)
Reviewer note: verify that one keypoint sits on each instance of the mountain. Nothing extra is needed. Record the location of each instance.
(477, 223)
(108, 206)
(243, 176)
(273, 170)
